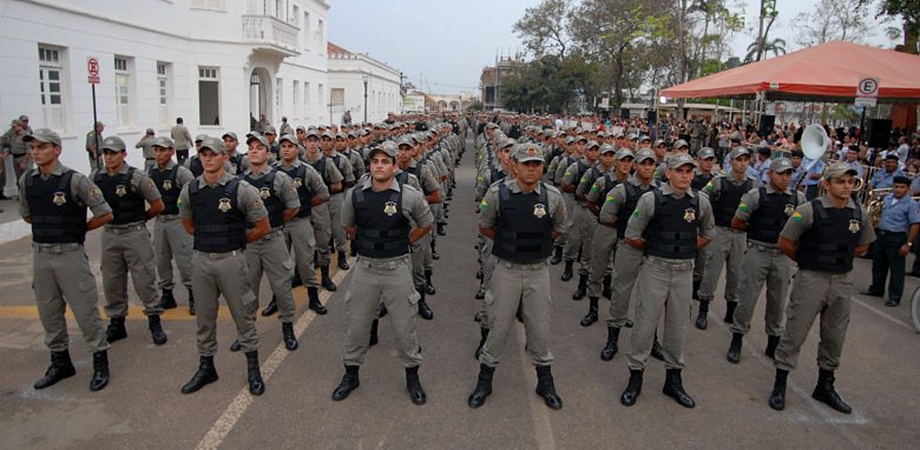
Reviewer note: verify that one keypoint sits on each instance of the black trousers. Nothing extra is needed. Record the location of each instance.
(885, 259)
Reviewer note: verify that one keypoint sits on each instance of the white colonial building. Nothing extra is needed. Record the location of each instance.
(356, 80)
(215, 63)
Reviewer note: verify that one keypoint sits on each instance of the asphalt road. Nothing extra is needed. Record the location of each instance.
(142, 407)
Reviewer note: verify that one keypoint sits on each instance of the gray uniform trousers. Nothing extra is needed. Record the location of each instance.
(699, 268)
(813, 293)
(488, 266)
(335, 220)
(375, 281)
(516, 284)
(171, 241)
(601, 251)
(576, 231)
(628, 261)
(298, 236)
(129, 250)
(664, 286)
(764, 264)
(421, 254)
(223, 274)
(322, 232)
(568, 199)
(726, 248)
(61, 276)
(270, 256)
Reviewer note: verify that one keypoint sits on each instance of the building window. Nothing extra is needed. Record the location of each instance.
(279, 96)
(279, 9)
(321, 37)
(295, 14)
(306, 31)
(213, 5)
(295, 98)
(208, 96)
(163, 92)
(123, 91)
(320, 95)
(306, 100)
(51, 86)
(337, 101)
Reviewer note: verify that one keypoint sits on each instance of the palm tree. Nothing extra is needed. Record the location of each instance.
(776, 46)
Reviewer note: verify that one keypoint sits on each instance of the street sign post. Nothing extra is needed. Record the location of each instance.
(867, 92)
(92, 72)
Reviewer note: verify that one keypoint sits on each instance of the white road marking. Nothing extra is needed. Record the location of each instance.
(225, 423)
(884, 314)
(539, 412)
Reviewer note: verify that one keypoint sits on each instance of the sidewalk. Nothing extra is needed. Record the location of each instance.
(11, 225)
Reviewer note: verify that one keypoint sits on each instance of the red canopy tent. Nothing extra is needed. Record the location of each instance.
(824, 73)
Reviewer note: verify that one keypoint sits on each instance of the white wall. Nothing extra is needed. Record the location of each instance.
(383, 96)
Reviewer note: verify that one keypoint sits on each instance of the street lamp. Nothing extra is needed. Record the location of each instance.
(364, 78)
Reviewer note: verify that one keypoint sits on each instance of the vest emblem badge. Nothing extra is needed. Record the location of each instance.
(265, 193)
(224, 205)
(789, 209)
(120, 190)
(854, 226)
(539, 210)
(59, 198)
(298, 182)
(167, 184)
(389, 208)
(689, 215)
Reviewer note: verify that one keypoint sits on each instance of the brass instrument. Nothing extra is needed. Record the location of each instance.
(875, 204)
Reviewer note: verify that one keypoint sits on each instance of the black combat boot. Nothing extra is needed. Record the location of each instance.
(191, 303)
(567, 273)
(167, 301)
(656, 349)
(483, 386)
(414, 386)
(256, 385)
(100, 371)
(343, 261)
(287, 335)
(483, 336)
(271, 308)
(297, 281)
(582, 288)
(61, 367)
(610, 347)
(824, 392)
(633, 388)
(349, 383)
(674, 388)
(481, 293)
(235, 346)
(734, 349)
(546, 388)
(374, 339)
(607, 292)
(557, 255)
(591, 317)
(116, 330)
(772, 343)
(696, 288)
(434, 252)
(156, 330)
(315, 304)
(778, 396)
(429, 288)
(730, 312)
(702, 320)
(206, 374)
(325, 281)
(440, 229)
(423, 310)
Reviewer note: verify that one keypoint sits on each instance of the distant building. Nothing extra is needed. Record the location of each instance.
(354, 76)
(491, 81)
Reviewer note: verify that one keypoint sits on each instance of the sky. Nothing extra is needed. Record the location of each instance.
(441, 46)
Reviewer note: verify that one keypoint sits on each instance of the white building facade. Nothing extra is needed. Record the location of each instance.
(218, 64)
(357, 80)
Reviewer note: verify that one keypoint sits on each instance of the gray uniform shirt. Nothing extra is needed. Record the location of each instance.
(140, 183)
(183, 175)
(247, 198)
(804, 217)
(283, 186)
(490, 208)
(645, 211)
(714, 186)
(344, 166)
(590, 178)
(311, 178)
(146, 143)
(333, 175)
(414, 206)
(83, 190)
(181, 137)
(750, 201)
(426, 177)
(616, 199)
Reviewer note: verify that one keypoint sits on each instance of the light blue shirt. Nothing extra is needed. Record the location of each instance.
(817, 169)
(858, 167)
(884, 179)
(897, 216)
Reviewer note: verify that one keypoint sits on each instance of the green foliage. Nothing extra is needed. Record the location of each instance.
(546, 84)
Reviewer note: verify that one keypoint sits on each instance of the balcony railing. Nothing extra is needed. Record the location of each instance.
(272, 34)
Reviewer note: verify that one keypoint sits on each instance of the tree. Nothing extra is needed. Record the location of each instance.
(543, 84)
(543, 28)
(776, 46)
(909, 13)
(768, 15)
(831, 20)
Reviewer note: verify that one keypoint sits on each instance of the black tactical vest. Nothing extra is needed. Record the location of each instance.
(126, 202)
(272, 201)
(236, 161)
(524, 229)
(724, 207)
(496, 175)
(304, 191)
(673, 231)
(320, 166)
(168, 187)
(56, 216)
(700, 181)
(382, 228)
(829, 245)
(633, 193)
(194, 165)
(771, 215)
(609, 183)
(220, 224)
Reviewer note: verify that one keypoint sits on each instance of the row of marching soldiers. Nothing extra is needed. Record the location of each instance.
(281, 201)
(639, 214)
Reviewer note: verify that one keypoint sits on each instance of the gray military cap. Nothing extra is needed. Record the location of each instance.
(706, 153)
(645, 153)
(592, 144)
(388, 147)
(739, 152)
(288, 137)
(607, 148)
(230, 134)
(838, 170)
(527, 152)
(569, 139)
(201, 138)
(680, 143)
(269, 130)
(217, 145)
(679, 160)
(624, 153)
(163, 141)
(43, 135)
(781, 165)
(405, 140)
(256, 137)
(113, 143)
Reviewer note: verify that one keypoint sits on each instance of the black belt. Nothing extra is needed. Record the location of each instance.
(890, 233)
